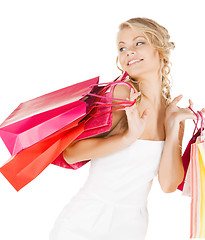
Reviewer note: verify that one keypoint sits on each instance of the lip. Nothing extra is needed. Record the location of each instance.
(134, 62)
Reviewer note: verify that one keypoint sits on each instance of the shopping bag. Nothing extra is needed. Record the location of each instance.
(194, 181)
(197, 173)
(30, 162)
(38, 118)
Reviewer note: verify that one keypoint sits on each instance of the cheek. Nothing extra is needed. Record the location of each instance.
(157, 59)
(153, 58)
(156, 55)
(122, 59)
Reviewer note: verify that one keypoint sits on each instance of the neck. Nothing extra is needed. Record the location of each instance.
(150, 88)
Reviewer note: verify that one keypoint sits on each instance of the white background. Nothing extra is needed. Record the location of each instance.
(48, 45)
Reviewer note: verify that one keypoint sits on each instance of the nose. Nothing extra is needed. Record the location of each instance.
(130, 52)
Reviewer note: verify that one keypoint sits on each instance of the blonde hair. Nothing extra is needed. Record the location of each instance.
(158, 37)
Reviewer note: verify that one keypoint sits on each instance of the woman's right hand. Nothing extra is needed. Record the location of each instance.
(136, 124)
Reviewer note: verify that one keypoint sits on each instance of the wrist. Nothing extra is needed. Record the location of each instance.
(172, 130)
(171, 126)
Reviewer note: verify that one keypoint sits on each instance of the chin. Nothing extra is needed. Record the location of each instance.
(134, 73)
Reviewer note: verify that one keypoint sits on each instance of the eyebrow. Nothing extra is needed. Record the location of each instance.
(133, 39)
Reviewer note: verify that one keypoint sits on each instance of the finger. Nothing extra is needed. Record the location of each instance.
(134, 95)
(131, 92)
(191, 104)
(203, 112)
(177, 99)
(130, 103)
(127, 107)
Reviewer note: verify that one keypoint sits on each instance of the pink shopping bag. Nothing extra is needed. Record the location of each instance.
(36, 119)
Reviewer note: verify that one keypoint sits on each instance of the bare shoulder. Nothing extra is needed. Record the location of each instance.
(121, 91)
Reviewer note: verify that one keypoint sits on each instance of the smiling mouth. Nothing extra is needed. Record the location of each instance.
(134, 61)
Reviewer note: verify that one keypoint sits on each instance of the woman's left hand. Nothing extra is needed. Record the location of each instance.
(174, 114)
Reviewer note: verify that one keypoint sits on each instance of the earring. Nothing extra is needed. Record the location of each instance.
(118, 66)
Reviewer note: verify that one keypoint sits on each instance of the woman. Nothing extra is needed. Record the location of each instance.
(144, 140)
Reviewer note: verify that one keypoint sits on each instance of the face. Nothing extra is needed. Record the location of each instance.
(136, 56)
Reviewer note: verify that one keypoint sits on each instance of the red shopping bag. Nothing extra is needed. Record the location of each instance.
(38, 118)
(26, 165)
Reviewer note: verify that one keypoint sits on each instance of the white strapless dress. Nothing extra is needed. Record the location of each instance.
(112, 204)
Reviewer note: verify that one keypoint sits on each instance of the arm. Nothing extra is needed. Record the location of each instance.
(171, 170)
(95, 147)
(99, 147)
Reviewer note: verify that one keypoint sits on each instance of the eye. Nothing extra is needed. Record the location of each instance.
(121, 49)
(139, 42)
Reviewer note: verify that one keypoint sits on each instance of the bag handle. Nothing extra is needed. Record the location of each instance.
(87, 117)
(123, 101)
(108, 85)
(111, 84)
(120, 103)
(202, 127)
(196, 123)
